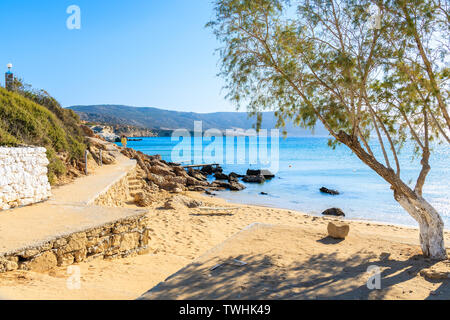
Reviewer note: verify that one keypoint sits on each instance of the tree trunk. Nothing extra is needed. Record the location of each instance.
(430, 223)
(431, 226)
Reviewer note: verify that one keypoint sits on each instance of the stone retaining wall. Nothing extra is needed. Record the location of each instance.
(119, 239)
(23, 176)
(117, 195)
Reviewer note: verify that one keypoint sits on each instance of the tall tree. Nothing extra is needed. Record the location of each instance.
(362, 68)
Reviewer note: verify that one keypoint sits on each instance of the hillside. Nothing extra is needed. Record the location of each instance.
(159, 119)
(35, 118)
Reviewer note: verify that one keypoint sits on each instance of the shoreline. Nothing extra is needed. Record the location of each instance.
(362, 220)
(307, 164)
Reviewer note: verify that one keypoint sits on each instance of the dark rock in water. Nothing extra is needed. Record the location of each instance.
(265, 173)
(207, 170)
(254, 179)
(235, 175)
(329, 191)
(264, 193)
(232, 178)
(195, 182)
(334, 212)
(220, 185)
(236, 186)
(89, 132)
(221, 176)
(251, 172)
(233, 186)
(197, 174)
(217, 169)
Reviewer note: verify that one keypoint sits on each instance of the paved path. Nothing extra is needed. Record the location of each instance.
(69, 210)
(86, 189)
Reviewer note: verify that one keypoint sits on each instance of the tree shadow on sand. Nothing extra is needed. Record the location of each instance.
(266, 276)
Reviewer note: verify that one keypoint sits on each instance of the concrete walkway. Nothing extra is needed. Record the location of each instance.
(69, 210)
(85, 190)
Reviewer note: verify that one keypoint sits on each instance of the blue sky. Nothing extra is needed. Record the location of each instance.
(135, 52)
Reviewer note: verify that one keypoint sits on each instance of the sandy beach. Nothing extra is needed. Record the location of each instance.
(181, 236)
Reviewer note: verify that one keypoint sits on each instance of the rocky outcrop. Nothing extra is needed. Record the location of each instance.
(175, 179)
(167, 176)
(133, 131)
(101, 156)
(334, 212)
(221, 176)
(181, 201)
(233, 185)
(338, 230)
(106, 133)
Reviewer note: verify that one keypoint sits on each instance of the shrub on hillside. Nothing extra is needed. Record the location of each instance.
(35, 118)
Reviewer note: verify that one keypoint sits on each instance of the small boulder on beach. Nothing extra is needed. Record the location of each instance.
(334, 212)
(338, 230)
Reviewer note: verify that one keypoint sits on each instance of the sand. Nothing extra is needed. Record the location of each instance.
(297, 244)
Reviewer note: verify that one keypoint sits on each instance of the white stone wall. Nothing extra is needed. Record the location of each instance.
(23, 177)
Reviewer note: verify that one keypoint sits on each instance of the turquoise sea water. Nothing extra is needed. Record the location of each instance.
(306, 164)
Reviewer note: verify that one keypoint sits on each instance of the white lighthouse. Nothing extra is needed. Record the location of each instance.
(9, 78)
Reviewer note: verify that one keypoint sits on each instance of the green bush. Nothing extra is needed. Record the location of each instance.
(35, 118)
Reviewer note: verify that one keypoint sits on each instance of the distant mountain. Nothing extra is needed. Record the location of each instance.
(166, 120)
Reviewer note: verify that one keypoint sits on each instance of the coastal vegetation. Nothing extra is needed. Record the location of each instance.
(363, 69)
(29, 117)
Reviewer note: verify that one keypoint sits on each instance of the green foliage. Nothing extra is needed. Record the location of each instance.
(56, 167)
(39, 120)
(327, 62)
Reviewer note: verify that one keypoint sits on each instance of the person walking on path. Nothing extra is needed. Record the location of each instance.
(124, 141)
